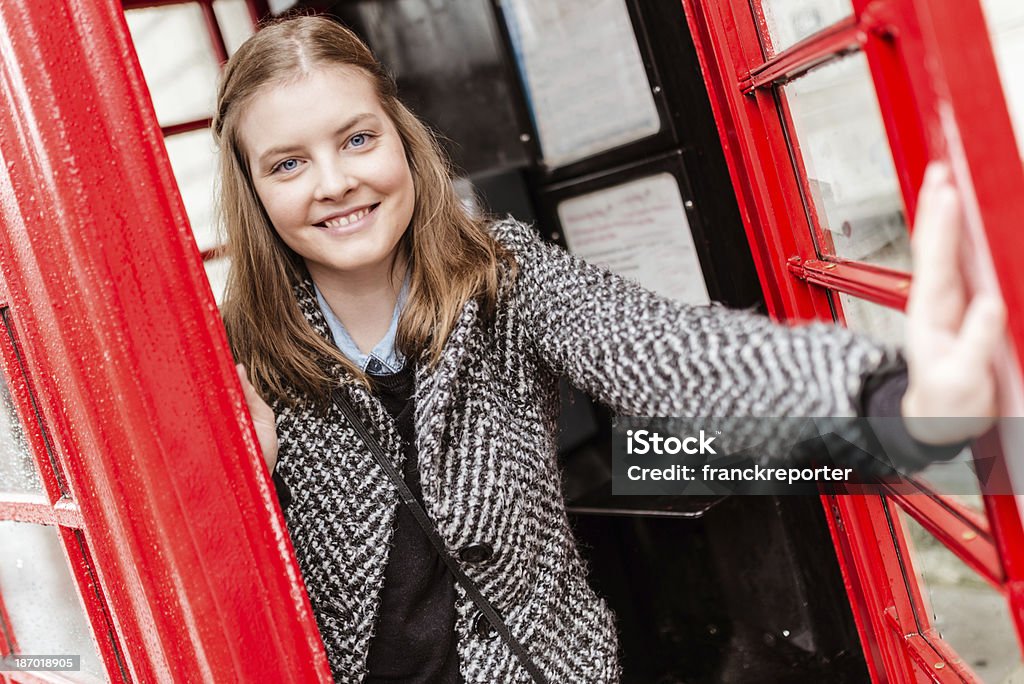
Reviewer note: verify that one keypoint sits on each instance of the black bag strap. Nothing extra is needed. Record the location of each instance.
(409, 499)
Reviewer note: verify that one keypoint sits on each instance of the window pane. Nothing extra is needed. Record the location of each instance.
(790, 21)
(217, 274)
(234, 21)
(852, 179)
(17, 469)
(878, 322)
(173, 46)
(46, 615)
(194, 160)
(1006, 27)
(967, 612)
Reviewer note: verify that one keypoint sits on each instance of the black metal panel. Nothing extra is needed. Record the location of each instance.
(447, 58)
(748, 593)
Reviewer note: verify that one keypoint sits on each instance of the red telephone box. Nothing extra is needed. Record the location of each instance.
(927, 70)
(138, 527)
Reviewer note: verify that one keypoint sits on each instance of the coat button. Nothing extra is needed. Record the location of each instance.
(479, 552)
(482, 627)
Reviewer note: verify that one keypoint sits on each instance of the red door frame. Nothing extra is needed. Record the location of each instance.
(143, 411)
(931, 111)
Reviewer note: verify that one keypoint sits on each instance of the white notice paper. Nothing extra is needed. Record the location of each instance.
(584, 76)
(638, 230)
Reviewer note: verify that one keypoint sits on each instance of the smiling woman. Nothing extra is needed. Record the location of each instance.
(377, 317)
(340, 197)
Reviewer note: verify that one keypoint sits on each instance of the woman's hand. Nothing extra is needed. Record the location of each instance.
(951, 342)
(262, 419)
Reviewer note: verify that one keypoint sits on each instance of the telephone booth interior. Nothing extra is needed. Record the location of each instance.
(763, 154)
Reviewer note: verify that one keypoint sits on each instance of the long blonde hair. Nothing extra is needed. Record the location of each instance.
(450, 254)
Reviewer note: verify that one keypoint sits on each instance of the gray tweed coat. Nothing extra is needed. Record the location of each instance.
(485, 425)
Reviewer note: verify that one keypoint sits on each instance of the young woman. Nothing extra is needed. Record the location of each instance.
(359, 281)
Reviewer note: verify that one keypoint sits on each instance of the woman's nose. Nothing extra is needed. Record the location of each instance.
(333, 182)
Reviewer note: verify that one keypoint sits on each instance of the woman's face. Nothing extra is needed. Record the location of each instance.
(330, 169)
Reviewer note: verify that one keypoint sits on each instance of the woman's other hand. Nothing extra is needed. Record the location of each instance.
(951, 340)
(262, 419)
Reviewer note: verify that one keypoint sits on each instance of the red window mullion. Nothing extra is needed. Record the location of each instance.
(8, 640)
(1005, 519)
(29, 508)
(892, 43)
(91, 594)
(884, 602)
(186, 127)
(981, 140)
(938, 660)
(51, 471)
(872, 283)
(220, 48)
(970, 544)
(837, 39)
(258, 10)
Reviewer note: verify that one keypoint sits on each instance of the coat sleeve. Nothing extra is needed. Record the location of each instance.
(646, 355)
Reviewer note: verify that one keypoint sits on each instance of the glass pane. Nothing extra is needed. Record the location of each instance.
(956, 480)
(217, 274)
(852, 179)
(173, 46)
(1006, 27)
(234, 21)
(790, 21)
(17, 469)
(46, 615)
(194, 160)
(968, 613)
(878, 322)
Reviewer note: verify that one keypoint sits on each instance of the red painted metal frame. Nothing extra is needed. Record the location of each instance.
(796, 60)
(875, 284)
(126, 354)
(259, 10)
(738, 76)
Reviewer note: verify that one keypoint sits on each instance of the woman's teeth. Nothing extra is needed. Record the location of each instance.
(348, 218)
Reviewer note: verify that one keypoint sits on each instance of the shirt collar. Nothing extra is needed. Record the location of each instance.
(384, 358)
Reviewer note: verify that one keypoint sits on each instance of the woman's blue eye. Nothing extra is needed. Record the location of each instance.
(359, 139)
(288, 165)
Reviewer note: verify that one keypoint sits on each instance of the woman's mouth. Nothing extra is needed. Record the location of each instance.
(348, 220)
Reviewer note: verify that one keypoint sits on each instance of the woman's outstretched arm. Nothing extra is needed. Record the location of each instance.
(643, 354)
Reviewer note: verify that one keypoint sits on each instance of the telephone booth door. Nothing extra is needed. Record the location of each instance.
(140, 536)
(829, 111)
(138, 528)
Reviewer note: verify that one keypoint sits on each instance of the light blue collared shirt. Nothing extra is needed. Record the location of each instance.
(383, 359)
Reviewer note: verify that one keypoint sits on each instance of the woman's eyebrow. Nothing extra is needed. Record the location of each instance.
(287, 149)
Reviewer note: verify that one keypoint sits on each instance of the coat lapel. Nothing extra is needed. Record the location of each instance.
(436, 389)
(375, 416)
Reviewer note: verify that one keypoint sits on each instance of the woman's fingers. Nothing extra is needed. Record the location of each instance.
(938, 285)
(983, 329)
(252, 397)
(937, 295)
(262, 418)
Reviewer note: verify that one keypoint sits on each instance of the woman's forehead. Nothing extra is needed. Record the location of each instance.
(323, 96)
